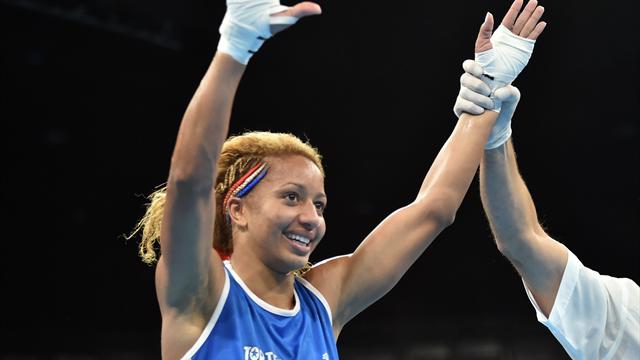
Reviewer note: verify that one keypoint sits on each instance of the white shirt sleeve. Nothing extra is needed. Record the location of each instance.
(594, 316)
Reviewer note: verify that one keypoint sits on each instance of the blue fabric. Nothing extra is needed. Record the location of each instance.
(245, 330)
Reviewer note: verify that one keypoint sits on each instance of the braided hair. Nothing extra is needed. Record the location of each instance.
(239, 154)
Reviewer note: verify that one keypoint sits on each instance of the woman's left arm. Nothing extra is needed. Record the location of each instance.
(352, 283)
(396, 243)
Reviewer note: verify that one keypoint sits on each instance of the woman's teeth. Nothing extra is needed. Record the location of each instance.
(299, 238)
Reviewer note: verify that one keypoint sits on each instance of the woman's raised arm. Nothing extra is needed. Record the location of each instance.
(394, 245)
(190, 276)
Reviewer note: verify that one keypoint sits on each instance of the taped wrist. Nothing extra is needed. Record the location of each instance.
(508, 57)
(246, 26)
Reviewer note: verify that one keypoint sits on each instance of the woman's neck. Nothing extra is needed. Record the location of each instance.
(271, 286)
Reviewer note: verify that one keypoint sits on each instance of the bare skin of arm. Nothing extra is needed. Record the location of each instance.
(392, 247)
(190, 275)
(539, 259)
(352, 283)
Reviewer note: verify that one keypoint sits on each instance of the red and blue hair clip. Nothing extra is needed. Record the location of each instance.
(247, 182)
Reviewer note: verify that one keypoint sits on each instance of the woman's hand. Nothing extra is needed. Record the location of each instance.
(298, 11)
(526, 25)
(247, 24)
(504, 53)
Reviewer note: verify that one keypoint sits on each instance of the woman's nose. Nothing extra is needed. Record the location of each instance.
(309, 216)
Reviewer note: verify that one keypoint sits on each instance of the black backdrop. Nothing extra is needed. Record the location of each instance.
(93, 92)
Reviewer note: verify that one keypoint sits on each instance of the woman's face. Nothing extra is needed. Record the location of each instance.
(284, 213)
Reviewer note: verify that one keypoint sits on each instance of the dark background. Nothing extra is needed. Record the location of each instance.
(92, 96)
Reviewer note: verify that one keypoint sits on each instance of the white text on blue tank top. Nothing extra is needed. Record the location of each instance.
(254, 353)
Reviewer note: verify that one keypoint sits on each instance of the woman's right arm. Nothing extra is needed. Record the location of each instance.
(189, 274)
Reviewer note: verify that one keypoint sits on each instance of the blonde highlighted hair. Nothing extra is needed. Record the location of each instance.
(239, 153)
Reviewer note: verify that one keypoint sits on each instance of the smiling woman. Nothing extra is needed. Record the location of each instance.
(287, 205)
(238, 156)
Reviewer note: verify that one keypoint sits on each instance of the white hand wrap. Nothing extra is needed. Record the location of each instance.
(504, 62)
(246, 25)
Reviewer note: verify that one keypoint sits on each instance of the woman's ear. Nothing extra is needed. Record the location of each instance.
(237, 212)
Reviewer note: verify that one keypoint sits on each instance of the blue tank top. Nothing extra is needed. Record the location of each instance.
(244, 327)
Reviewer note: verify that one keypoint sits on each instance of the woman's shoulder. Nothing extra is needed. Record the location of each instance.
(327, 271)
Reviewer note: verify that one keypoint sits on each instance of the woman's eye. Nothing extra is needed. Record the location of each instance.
(320, 206)
(291, 196)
